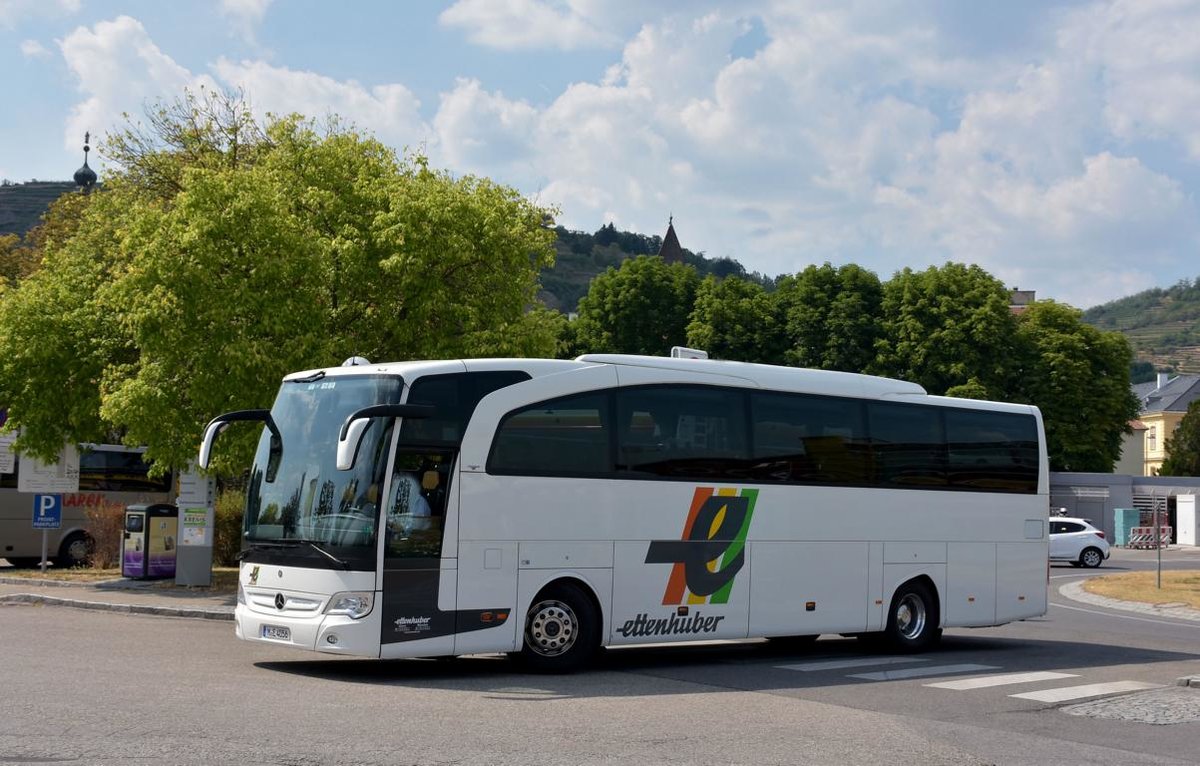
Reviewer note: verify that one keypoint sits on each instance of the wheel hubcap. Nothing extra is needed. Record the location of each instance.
(552, 628)
(910, 616)
(77, 552)
(1091, 558)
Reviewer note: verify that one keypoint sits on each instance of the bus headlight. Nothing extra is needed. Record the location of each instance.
(351, 603)
(241, 597)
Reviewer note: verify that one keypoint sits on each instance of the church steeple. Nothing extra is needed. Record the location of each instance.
(671, 252)
(85, 177)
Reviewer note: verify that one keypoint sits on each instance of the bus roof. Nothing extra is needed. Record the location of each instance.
(768, 376)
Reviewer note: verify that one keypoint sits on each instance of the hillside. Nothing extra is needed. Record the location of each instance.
(1162, 324)
(22, 205)
(581, 256)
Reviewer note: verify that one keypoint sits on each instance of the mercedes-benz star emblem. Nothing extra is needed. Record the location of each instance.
(279, 601)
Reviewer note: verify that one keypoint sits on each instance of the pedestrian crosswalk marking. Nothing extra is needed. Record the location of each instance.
(862, 662)
(936, 670)
(963, 684)
(1087, 690)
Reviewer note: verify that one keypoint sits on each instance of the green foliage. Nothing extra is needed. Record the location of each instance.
(1142, 372)
(1079, 377)
(972, 389)
(736, 319)
(832, 317)
(227, 534)
(943, 326)
(1183, 446)
(225, 254)
(642, 307)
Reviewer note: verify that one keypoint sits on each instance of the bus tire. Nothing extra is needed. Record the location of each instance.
(562, 630)
(75, 551)
(912, 624)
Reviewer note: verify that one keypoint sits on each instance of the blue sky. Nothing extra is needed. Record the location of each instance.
(1055, 144)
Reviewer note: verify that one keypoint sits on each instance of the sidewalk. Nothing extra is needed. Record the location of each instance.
(130, 596)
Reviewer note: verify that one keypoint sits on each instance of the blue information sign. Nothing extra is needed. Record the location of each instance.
(47, 511)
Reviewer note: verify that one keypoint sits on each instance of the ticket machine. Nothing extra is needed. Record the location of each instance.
(151, 537)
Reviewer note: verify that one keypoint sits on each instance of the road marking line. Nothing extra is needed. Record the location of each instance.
(983, 682)
(936, 670)
(1088, 690)
(866, 662)
(1124, 616)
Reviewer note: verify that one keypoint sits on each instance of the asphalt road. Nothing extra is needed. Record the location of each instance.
(87, 687)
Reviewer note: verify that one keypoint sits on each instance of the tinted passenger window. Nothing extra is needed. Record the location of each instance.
(682, 432)
(809, 439)
(117, 471)
(454, 398)
(560, 437)
(908, 445)
(992, 450)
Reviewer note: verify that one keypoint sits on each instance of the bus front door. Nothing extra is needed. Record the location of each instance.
(415, 587)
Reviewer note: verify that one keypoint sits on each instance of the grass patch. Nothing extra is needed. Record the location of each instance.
(224, 579)
(81, 574)
(1178, 587)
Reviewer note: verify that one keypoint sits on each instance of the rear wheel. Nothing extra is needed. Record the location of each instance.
(562, 630)
(913, 620)
(75, 551)
(1091, 558)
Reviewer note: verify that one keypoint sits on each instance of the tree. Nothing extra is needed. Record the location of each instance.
(640, 308)
(831, 317)
(736, 319)
(1183, 446)
(1078, 377)
(944, 326)
(225, 253)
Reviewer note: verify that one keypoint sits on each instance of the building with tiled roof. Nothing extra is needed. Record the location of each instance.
(1163, 403)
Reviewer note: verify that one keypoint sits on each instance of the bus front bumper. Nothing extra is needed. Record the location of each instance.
(333, 633)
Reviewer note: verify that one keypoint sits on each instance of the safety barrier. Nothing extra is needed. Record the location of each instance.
(1143, 537)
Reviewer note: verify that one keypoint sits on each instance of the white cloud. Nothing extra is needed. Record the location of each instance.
(14, 12)
(391, 112)
(33, 49)
(527, 24)
(245, 16)
(119, 70)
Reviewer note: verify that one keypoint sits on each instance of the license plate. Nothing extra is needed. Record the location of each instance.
(277, 632)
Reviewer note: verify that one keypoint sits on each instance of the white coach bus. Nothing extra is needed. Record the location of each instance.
(552, 507)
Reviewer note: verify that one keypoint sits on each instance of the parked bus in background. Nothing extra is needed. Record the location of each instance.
(110, 478)
(547, 508)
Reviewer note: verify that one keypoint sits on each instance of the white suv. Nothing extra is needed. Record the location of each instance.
(1077, 541)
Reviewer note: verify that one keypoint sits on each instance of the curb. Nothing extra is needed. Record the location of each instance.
(65, 583)
(161, 611)
(1075, 592)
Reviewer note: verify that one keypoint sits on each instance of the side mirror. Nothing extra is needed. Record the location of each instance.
(351, 434)
(221, 422)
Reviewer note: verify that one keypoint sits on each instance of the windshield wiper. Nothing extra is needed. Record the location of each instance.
(294, 543)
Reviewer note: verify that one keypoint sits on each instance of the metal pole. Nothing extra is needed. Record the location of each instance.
(45, 548)
(1158, 540)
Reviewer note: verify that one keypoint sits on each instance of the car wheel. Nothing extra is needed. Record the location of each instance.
(562, 630)
(913, 619)
(75, 551)
(1091, 558)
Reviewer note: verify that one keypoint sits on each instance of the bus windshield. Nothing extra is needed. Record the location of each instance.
(311, 508)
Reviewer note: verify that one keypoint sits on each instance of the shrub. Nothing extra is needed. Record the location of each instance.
(227, 540)
(106, 525)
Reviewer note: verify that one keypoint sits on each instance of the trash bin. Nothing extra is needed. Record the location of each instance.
(151, 532)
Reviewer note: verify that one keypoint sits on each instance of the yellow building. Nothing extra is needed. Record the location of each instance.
(1164, 402)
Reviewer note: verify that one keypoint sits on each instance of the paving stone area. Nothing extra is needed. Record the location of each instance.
(1158, 706)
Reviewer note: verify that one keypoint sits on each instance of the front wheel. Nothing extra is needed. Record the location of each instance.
(562, 630)
(913, 620)
(1091, 558)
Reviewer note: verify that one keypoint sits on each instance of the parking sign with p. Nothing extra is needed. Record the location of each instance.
(47, 511)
